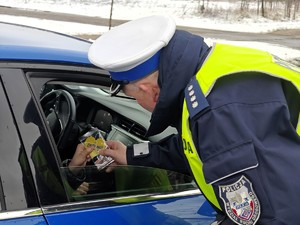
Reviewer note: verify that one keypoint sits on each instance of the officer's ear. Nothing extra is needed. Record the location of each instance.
(152, 91)
(144, 87)
(149, 84)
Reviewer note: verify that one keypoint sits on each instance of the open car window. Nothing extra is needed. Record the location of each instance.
(72, 104)
(124, 181)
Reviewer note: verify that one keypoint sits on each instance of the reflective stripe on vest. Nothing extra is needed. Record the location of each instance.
(234, 59)
(225, 60)
(194, 160)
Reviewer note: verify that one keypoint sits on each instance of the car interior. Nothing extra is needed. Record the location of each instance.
(73, 107)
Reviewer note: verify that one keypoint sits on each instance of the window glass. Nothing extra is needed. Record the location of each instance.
(89, 183)
(16, 186)
(115, 118)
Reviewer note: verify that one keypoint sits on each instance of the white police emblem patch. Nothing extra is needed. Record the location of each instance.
(240, 201)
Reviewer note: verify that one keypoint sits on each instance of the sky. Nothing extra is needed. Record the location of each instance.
(184, 12)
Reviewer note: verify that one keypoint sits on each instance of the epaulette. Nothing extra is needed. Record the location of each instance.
(195, 99)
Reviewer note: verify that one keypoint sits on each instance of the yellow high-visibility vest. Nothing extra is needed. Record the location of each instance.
(226, 60)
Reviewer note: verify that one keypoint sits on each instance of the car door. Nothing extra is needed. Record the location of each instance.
(129, 195)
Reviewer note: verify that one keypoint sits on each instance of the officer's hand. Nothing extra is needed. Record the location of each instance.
(117, 151)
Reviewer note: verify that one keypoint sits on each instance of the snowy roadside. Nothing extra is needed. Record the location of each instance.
(183, 11)
(75, 29)
(253, 25)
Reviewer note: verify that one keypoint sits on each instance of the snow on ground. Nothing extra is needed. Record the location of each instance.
(184, 12)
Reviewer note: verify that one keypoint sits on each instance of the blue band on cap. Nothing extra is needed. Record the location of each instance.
(139, 71)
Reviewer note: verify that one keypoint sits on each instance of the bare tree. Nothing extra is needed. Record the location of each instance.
(287, 8)
(244, 5)
(270, 4)
(291, 8)
(110, 15)
(296, 8)
(201, 6)
(263, 8)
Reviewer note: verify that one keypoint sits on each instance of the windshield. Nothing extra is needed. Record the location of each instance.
(103, 90)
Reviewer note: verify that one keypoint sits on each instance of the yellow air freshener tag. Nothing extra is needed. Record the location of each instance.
(94, 139)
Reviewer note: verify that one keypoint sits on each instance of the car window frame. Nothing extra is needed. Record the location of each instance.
(20, 206)
(68, 70)
(86, 76)
(15, 83)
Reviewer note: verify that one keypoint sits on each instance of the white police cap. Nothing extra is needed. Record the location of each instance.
(131, 50)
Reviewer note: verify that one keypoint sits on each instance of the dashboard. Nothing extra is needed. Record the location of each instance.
(118, 118)
(114, 125)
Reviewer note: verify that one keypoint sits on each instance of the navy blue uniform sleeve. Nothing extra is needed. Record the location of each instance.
(250, 149)
(165, 154)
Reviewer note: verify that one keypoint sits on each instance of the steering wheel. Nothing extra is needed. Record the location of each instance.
(60, 110)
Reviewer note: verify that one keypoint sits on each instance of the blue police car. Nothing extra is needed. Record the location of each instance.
(50, 96)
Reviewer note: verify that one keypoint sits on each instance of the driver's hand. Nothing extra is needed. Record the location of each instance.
(81, 156)
(82, 189)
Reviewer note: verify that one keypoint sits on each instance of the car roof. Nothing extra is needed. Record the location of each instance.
(24, 43)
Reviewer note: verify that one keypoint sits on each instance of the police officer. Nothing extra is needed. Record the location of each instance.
(236, 110)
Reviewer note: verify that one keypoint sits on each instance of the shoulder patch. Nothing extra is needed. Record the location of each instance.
(240, 202)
